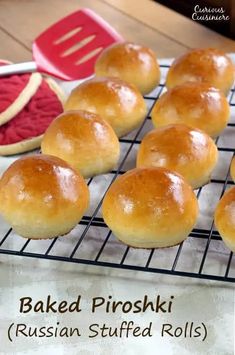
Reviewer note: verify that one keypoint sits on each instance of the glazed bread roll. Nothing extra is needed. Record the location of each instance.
(150, 208)
(116, 101)
(131, 62)
(188, 151)
(193, 104)
(207, 65)
(224, 218)
(84, 140)
(232, 169)
(42, 197)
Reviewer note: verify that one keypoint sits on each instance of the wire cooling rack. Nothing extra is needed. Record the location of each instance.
(203, 255)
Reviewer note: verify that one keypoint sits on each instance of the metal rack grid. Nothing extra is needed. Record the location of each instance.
(105, 250)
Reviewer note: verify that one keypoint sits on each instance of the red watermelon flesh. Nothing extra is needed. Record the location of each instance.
(35, 117)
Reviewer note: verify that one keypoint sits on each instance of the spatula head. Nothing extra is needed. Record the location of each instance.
(69, 48)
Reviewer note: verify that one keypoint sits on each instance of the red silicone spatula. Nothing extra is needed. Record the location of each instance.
(69, 48)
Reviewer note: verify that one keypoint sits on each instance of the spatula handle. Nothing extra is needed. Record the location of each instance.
(19, 68)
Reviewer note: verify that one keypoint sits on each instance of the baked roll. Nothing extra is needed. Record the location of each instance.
(188, 151)
(116, 101)
(131, 62)
(150, 208)
(194, 104)
(224, 218)
(42, 197)
(84, 140)
(208, 65)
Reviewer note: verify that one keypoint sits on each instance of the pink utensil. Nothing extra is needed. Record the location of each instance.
(69, 48)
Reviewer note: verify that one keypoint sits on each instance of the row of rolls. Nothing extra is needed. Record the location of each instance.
(153, 205)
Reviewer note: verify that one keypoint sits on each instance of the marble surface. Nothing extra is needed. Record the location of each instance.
(194, 300)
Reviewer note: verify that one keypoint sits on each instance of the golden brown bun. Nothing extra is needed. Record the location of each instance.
(232, 169)
(42, 196)
(131, 62)
(116, 101)
(84, 140)
(194, 104)
(208, 65)
(188, 151)
(150, 208)
(224, 218)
